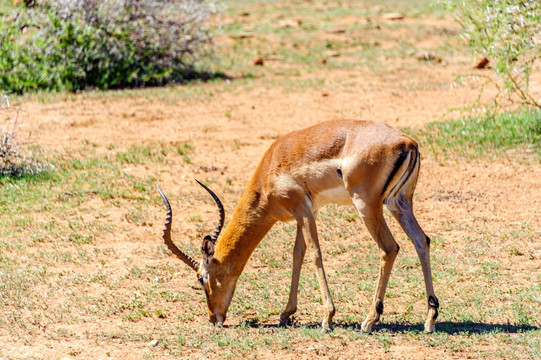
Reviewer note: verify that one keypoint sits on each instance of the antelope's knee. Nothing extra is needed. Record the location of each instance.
(391, 253)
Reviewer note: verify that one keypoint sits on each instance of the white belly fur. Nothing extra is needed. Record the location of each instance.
(338, 195)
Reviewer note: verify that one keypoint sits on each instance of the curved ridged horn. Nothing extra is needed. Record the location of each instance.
(167, 236)
(216, 232)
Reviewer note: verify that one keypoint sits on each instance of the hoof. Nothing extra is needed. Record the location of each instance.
(326, 328)
(430, 328)
(366, 328)
(285, 321)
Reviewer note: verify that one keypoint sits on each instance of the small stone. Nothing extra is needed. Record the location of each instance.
(331, 53)
(289, 23)
(153, 343)
(242, 35)
(259, 61)
(338, 30)
(393, 16)
(426, 56)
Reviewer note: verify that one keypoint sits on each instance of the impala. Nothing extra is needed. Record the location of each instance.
(366, 164)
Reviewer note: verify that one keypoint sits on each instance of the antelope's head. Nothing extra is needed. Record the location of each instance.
(218, 285)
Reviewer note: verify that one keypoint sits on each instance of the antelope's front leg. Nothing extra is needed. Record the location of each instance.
(307, 225)
(298, 256)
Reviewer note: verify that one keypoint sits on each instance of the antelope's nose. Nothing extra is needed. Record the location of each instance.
(216, 319)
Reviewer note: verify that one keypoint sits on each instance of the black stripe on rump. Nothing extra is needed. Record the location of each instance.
(398, 163)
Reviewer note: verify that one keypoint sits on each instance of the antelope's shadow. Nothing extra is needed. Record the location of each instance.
(448, 327)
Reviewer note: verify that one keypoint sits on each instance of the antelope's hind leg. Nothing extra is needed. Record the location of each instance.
(403, 213)
(372, 215)
(307, 226)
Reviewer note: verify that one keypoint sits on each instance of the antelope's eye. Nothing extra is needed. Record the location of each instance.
(201, 280)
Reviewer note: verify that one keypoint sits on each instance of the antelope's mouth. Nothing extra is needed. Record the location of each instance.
(217, 319)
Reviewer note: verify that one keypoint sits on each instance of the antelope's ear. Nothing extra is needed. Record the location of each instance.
(207, 248)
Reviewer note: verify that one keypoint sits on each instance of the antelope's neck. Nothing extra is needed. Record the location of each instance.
(250, 223)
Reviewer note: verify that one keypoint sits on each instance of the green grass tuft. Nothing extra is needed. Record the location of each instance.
(488, 136)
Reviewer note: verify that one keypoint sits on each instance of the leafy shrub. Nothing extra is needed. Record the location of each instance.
(12, 162)
(77, 44)
(507, 32)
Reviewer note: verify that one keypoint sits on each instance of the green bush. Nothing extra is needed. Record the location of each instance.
(74, 45)
(508, 33)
